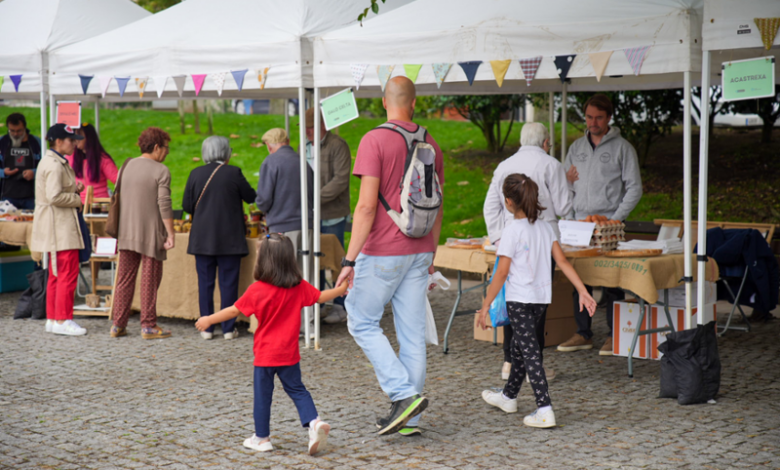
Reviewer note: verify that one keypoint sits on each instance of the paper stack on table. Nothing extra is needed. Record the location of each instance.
(669, 247)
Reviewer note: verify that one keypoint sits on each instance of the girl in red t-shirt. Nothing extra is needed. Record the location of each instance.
(276, 300)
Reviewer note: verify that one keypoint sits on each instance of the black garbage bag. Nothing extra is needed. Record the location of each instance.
(37, 280)
(690, 367)
(24, 306)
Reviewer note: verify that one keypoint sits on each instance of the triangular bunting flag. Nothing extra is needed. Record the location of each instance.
(198, 80)
(178, 80)
(358, 72)
(635, 56)
(412, 70)
(122, 83)
(2, 79)
(219, 81)
(599, 61)
(563, 64)
(16, 80)
(470, 69)
(530, 66)
(85, 79)
(141, 83)
(159, 84)
(768, 28)
(238, 76)
(104, 83)
(440, 71)
(384, 72)
(499, 70)
(262, 76)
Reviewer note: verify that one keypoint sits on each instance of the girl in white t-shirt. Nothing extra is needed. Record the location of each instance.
(524, 264)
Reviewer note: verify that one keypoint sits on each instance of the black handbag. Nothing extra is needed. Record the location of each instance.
(86, 252)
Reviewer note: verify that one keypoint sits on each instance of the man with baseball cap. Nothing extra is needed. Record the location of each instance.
(20, 153)
(335, 166)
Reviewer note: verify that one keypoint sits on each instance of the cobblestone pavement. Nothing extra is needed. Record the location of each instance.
(99, 402)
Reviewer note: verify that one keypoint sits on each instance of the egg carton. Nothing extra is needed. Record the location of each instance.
(606, 246)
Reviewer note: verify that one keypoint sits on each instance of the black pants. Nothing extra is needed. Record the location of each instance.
(526, 354)
(584, 320)
(539, 330)
(229, 270)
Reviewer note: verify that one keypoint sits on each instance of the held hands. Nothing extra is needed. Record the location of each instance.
(587, 302)
(341, 289)
(482, 320)
(572, 175)
(347, 276)
(28, 174)
(203, 323)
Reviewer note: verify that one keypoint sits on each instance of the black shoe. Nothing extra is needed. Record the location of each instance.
(400, 413)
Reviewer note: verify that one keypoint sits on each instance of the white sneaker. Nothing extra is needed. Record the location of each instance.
(48, 325)
(232, 335)
(206, 335)
(255, 444)
(337, 315)
(540, 420)
(497, 399)
(318, 436)
(68, 328)
(505, 370)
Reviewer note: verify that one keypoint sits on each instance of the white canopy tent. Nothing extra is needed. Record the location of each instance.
(729, 32)
(266, 38)
(33, 29)
(432, 32)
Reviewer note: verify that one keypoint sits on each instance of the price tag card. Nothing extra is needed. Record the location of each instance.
(105, 246)
(339, 108)
(576, 233)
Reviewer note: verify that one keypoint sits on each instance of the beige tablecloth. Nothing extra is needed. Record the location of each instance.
(178, 293)
(18, 234)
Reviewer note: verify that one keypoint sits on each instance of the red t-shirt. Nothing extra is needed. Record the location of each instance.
(278, 313)
(382, 154)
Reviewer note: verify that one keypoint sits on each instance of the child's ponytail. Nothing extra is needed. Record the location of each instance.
(524, 194)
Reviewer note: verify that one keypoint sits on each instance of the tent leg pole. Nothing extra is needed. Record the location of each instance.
(44, 126)
(317, 213)
(704, 142)
(287, 116)
(564, 122)
(687, 195)
(97, 116)
(304, 206)
(551, 97)
(52, 111)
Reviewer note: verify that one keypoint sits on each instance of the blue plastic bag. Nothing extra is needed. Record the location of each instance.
(498, 314)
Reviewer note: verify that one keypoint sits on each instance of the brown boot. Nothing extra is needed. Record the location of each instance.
(575, 343)
(606, 350)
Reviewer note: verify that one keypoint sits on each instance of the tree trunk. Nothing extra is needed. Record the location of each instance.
(196, 115)
(182, 124)
(210, 118)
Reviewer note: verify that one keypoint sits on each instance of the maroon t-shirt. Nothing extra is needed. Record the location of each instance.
(278, 313)
(382, 154)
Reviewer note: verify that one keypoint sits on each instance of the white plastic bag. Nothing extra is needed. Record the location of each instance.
(6, 207)
(435, 279)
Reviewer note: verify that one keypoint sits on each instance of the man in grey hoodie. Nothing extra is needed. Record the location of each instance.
(603, 173)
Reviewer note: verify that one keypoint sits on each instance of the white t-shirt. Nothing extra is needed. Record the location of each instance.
(529, 246)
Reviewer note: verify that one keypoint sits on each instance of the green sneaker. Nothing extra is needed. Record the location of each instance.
(401, 412)
(410, 431)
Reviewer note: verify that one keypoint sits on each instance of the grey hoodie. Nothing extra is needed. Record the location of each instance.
(609, 181)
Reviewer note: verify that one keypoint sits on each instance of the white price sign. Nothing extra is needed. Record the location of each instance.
(576, 233)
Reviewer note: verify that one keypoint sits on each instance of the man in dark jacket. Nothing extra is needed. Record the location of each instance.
(20, 153)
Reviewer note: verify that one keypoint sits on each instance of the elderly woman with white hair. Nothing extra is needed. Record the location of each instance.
(214, 196)
(554, 195)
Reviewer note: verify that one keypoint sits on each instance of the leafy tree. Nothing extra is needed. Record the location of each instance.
(486, 113)
(768, 109)
(157, 5)
(716, 106)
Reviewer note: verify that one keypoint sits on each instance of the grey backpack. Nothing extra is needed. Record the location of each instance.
(419, 190)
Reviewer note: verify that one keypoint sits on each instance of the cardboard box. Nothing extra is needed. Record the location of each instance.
(658, 320)
(625, 322)
(560, 324)
(677, 294)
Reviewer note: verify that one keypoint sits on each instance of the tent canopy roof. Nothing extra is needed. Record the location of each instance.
(729, 24)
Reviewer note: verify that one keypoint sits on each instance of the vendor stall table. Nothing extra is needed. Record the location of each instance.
(178, 293)
(18, 234)
(642, 277)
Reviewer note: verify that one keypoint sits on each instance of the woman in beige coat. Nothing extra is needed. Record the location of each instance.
(56, 228)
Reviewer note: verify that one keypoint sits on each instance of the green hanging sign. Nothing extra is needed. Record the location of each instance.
(748, 79)
(339, 108)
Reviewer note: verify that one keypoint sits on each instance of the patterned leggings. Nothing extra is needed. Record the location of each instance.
(526, 355)
(151, 275)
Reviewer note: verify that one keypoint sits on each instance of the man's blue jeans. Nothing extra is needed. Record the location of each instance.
(402, 281)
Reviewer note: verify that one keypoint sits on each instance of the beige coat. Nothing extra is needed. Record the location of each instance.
(56, 225)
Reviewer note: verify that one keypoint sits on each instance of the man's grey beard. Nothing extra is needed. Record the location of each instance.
(16, 143)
